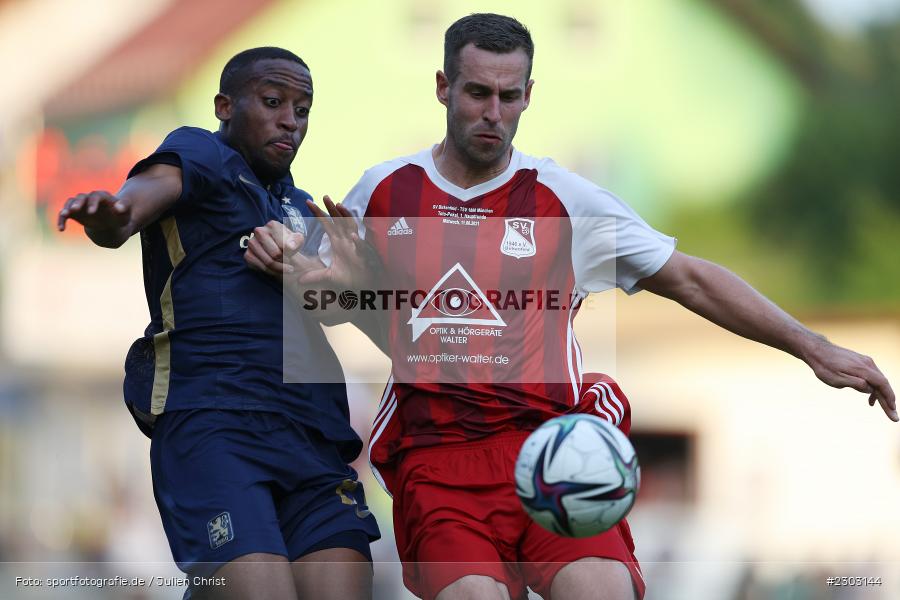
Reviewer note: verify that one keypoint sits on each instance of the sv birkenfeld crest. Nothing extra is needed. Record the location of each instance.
(518, 238)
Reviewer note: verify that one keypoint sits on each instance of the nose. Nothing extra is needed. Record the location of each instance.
(491, 112)
(287, 119)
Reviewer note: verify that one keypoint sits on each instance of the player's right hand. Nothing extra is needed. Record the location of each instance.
(97, 210)
(271, 248)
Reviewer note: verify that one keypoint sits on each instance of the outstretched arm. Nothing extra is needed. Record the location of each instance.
(109, 220)
(722, 297)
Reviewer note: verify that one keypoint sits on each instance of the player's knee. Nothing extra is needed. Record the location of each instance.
(474, 586)
(595, 579)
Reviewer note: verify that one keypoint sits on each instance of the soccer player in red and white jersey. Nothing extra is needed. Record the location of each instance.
(493, 251)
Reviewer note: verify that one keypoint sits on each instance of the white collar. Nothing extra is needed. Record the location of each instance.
(426, 160)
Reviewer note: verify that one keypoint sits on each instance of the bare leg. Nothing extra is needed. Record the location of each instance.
(474, 586)
(593, 579)
(333, 574)
(259, 576)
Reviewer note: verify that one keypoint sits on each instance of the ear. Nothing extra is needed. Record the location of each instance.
(224, 107)
(443, 88)
(528, 87)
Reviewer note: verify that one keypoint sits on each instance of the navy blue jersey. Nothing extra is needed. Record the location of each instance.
(216, 332)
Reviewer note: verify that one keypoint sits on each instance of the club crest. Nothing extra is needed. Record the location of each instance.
(220, 530)
(293, 218)
(518, 238)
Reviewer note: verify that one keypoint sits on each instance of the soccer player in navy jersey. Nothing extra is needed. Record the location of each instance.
(250, 473)
(471, 215)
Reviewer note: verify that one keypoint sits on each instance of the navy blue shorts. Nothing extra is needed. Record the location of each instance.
(230, 483)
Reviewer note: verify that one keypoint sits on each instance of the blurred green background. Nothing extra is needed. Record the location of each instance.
(746, 128)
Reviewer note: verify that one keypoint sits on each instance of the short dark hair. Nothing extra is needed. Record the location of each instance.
(488, 31)
(235, 73)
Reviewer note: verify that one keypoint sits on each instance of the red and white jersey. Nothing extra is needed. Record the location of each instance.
(483, 285)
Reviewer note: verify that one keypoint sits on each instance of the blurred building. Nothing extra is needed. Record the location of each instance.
(757, 477)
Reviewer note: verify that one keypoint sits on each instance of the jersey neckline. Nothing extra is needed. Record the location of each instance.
(426, 160)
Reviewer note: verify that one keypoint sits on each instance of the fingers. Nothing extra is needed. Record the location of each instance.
(344, 218)
(266, 248)
(93, 200)
(878, 391)
(256, 263)
(270, 244)
(294, 241)
(844, 380)
(315, 210)
(343, 211)
(257, 258)
(107, 208)
(325, 219)
(72, 206)
(840, 367)
(889, 409)
(304, 264)
(884, 394)
(347, 218)
(338, 222)
(876, 385)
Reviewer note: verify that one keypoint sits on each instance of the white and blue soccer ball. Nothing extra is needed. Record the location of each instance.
(577, 475)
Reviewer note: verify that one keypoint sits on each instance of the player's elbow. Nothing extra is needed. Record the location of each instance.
(699, 282)
(681, 279)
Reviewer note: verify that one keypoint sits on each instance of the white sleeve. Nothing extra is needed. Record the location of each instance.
(611, 245)
(357, 201)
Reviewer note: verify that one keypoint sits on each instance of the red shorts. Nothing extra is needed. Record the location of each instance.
(456, 513)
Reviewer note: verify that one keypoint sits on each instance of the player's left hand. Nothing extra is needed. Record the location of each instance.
(840, 368)
(352, 258)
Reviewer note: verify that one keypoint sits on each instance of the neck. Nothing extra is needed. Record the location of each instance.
(457, 170)
(265, 180)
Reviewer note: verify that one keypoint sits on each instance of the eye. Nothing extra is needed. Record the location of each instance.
(272, 102)
(456, 302)
(302, 111)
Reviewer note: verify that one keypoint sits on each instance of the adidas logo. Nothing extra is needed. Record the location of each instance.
(400, 228)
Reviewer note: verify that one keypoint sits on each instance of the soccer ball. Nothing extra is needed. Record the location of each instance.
(577, 475)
